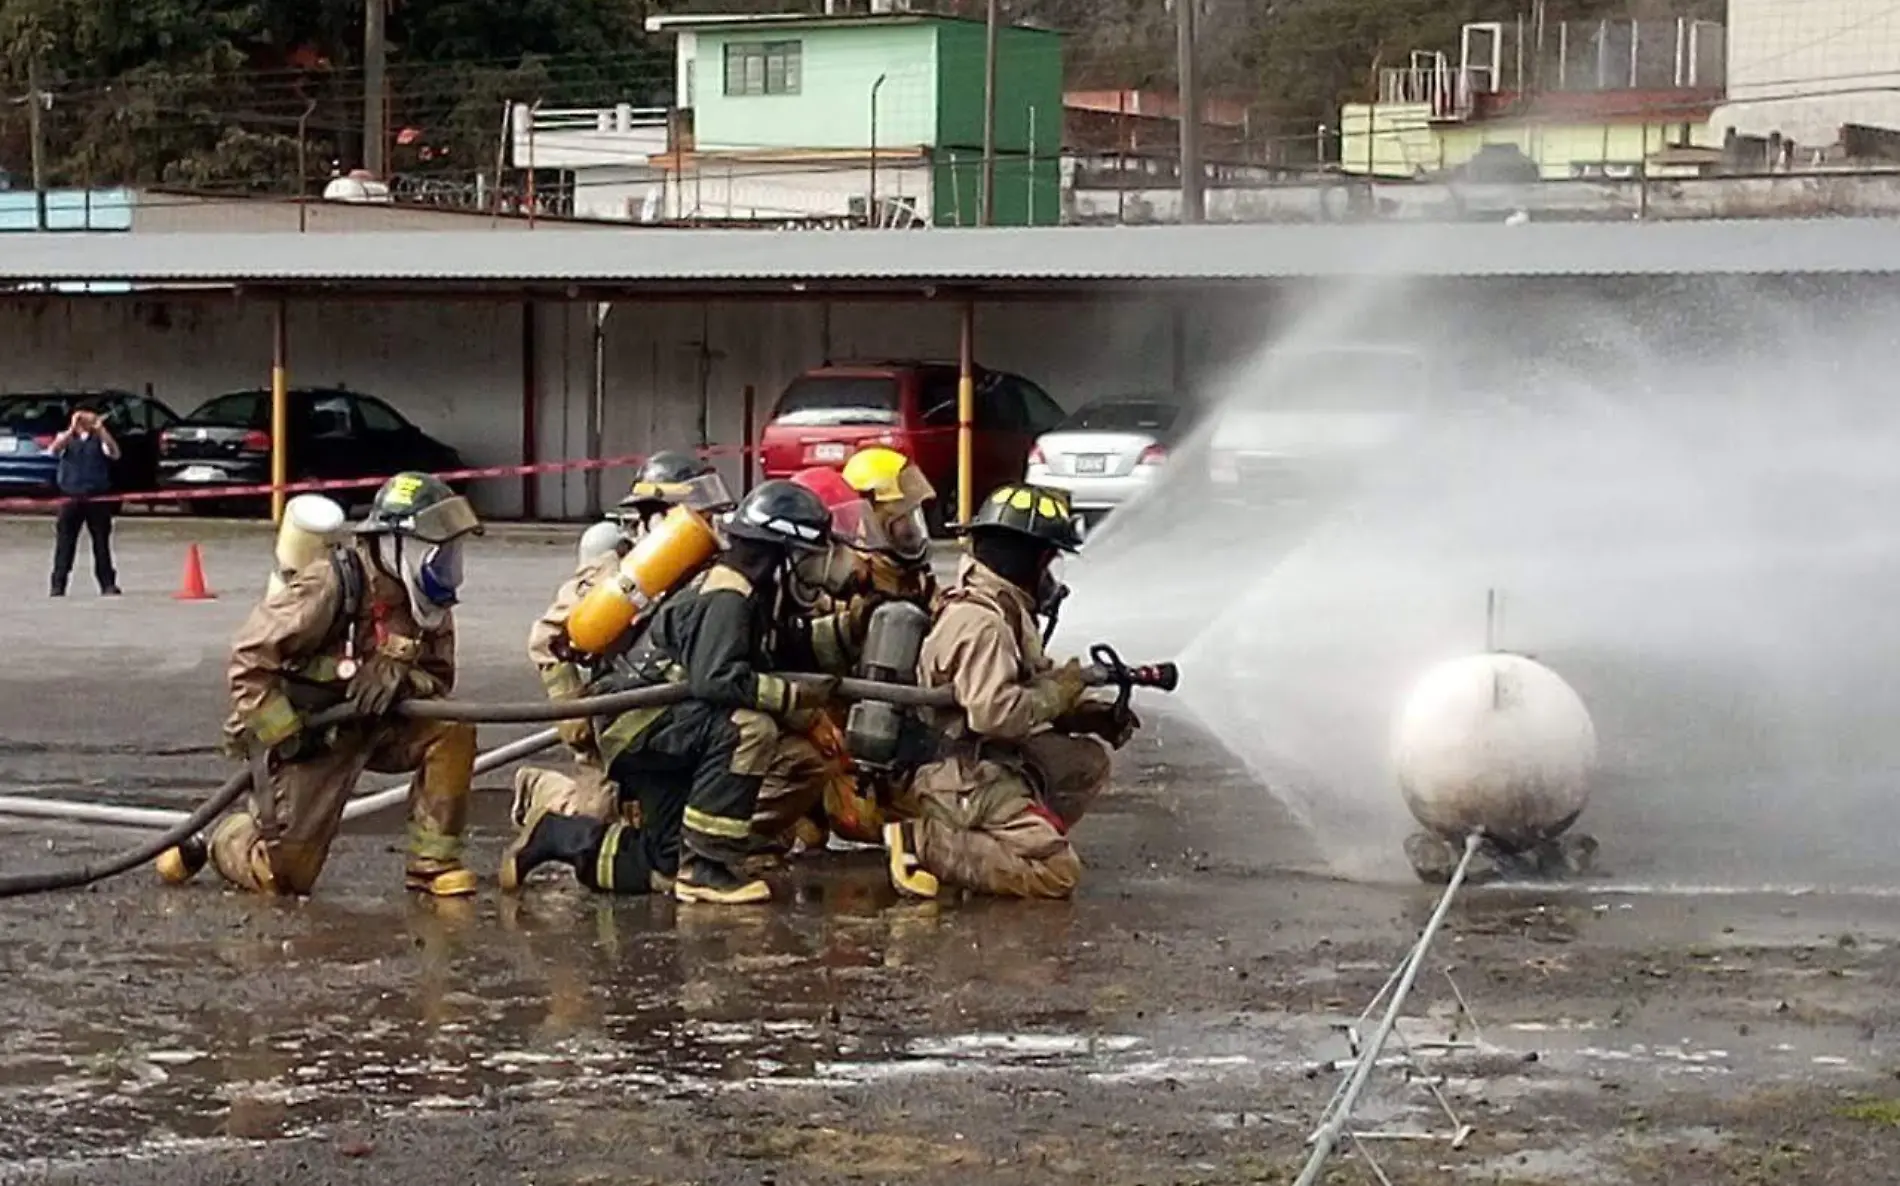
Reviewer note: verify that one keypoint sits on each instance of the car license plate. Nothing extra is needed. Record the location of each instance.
(201, 473)
(829, 451)
(9, 444)
(1091, 463)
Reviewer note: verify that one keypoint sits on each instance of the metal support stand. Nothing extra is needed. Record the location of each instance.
(1335, 1121)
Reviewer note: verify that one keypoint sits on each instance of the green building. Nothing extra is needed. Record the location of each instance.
(792, 114)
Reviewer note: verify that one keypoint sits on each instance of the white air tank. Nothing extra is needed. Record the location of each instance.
(1495, 742)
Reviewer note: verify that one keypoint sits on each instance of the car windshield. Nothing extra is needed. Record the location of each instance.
(243, 409)
(839, 399)
(35, 415)
(1122, 415)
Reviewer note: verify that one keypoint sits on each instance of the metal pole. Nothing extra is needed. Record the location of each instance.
(870, 209)
(1193, 206)
(375, 56)
(36, 134)
(987, 203)
(158, 818)
(279, 409)
(1030, 199)
(303, 171)
(966, 412)
(597, 407)
(1327, 1138)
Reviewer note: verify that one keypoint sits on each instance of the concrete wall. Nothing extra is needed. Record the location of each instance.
(712, 188)
(674, 372)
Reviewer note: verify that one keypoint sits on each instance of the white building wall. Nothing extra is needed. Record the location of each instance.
(791, 189)
(1805, 67)
(675, 372)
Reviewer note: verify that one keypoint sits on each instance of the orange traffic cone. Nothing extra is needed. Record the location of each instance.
(193, 588)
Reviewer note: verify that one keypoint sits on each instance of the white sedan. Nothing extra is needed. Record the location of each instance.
(1107, 451)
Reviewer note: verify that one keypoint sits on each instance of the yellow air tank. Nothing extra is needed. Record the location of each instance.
(673, 549)
(311, 524)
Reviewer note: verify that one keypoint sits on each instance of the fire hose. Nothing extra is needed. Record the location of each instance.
(1162, 676)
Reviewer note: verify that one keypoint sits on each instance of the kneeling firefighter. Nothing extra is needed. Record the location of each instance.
(657, 546)
(696, 767)
(810, 778)
(370, 624)
(1003, 777)
(877, 511)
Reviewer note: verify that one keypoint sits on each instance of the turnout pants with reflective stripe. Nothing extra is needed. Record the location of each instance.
(280, 845)
(696, 770)
(1002, 828)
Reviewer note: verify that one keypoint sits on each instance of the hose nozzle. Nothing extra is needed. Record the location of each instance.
(1163, 677)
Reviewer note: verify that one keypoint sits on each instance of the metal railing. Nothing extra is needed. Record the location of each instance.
(620, 118)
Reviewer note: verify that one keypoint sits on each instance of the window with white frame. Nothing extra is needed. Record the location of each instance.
(763, 67)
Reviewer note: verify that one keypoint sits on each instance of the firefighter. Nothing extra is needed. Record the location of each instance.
(810, 774)
(1025, 752)
(369, 624)
(696, 766)
(898, 493)
(669, 478)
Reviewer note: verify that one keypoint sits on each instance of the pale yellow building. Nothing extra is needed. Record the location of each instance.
(1577, 100)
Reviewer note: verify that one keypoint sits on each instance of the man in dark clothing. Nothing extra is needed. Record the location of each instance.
(86, 452)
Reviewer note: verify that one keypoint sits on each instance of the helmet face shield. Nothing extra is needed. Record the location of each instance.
(907, 533)
(702, 492)
(442, 522)
(856, 525)
(836, 570)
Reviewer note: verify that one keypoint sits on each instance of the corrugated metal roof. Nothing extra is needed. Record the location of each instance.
(1065, 257)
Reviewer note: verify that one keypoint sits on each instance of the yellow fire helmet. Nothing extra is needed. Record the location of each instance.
(885, 475)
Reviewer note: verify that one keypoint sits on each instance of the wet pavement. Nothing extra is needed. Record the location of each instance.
(1180, 1021)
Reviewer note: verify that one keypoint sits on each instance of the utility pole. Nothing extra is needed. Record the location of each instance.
(986, 207)
(375, 57)
(1193, 207)
(36, 133)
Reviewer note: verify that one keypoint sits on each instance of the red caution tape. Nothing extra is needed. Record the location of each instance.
(478, 473)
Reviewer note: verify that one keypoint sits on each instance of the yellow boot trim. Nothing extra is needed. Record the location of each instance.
(907, 875)
(449, 883)
(742, 895)
(178, 865)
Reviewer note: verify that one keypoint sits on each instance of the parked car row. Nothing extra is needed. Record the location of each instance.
(335, 435)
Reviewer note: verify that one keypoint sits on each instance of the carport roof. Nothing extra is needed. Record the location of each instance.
(661, 260)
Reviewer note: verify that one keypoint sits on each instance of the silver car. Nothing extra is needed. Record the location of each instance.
(1108, 451)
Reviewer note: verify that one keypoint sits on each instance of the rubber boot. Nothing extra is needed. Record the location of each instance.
(459, 882)
(180, 864)
(907, 873)
(548, 839)
(702, 880)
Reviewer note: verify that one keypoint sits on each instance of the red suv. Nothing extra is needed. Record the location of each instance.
(831, 411)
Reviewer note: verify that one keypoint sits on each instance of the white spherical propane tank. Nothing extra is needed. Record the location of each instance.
(311, 524)
(1496, 742)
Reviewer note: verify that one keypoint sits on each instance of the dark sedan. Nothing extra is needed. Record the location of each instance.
(30, 420)
(335, 435)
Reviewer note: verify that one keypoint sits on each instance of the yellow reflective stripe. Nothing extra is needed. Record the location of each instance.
(563, 681)
(275, 720)
(430, 845)
(828, 645)
(625, 730)
(774, 695)
(1045, 701)
(718, 825)
(609, 849)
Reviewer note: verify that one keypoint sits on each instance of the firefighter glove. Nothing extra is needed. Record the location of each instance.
(1067, 684)
(806, 699)
(1100, 718)
(378, 684)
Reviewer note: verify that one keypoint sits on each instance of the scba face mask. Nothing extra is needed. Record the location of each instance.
(438, 577)
(835, 570)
